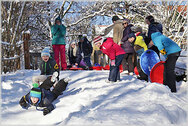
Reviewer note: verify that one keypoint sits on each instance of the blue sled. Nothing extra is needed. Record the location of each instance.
(147, 60)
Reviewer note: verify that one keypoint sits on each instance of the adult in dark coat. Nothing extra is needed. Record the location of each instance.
(127, 62)
(74, 55)
(86, 49)
(152, 28)
(42, 96)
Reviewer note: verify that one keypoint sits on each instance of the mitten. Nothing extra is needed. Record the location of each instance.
(46, 111)
(113, 63)
(24, 105)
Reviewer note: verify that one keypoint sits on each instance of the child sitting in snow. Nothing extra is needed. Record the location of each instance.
(48, 67)
(115, 53)
(140, 46)
(42, 96)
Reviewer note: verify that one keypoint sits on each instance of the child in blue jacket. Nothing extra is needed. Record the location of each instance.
(171, 51)
(42, 96)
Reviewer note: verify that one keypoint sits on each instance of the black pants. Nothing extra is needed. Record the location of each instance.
(114, 74)
(57, 90)
(169, 77)
(143, 76)
(127, 62)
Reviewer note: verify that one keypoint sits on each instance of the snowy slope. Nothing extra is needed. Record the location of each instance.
(88, 100)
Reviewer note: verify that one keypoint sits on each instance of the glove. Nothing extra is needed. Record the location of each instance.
(46, 111)
(163, 51)
(24, 105)
(113, 63)
(54, 76)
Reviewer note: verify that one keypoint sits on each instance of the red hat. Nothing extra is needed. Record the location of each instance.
(98, 39)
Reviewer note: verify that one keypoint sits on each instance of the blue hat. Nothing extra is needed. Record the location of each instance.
(36, 92)
(45, 52)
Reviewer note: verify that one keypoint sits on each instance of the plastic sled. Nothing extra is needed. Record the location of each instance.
(75, 68)
(147, 60)
(107, 67)
(121, 68)
(156, 74)
(136, 71)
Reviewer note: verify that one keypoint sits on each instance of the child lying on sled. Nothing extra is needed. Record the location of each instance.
(42, 96)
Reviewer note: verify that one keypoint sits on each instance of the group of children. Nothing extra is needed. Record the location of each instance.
(47, 86)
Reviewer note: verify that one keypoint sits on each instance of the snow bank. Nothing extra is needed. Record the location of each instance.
(88, 100)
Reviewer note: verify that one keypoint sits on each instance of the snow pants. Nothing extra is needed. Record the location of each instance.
(87, 61)
(114, 74)
(59, 53)
(128, 62)
(169, 77)
(57, 90)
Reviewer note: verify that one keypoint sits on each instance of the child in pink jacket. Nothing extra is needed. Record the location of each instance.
(115, 53)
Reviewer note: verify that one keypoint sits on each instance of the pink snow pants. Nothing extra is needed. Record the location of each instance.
(59, 52)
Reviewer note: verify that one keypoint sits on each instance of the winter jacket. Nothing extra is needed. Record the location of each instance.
(58, 34)
(126, 45)
(165, 45)
(140, 43)
(154, 27)
(49, 67)
(126, 33)
(111, 49)
(118, 31)
(85, 47)
(74, 59)
(128, 48)
(47, 98)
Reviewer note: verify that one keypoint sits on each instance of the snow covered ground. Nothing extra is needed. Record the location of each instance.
(88, 100)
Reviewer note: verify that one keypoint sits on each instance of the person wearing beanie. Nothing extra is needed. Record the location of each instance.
(140, 46)
(117, 29)
(99, 57)
(86, 50)
(152, 28)
(128, 62)
(58, 31)
(115, 53)
(48, 67)
(74, 55)
(42, 96)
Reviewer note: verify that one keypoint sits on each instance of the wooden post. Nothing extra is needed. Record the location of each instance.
(26, 37)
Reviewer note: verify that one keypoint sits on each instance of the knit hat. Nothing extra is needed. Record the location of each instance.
(98, 39)
(58, 19)
(115, 18)
(127, 20)
(150, 18)
(36, 92)
(136, 29)
(45, 52)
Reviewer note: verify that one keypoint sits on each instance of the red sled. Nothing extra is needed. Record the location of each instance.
(156, 74)
(107, 67)
(121, 68)
(75, 68)
(136, 71)
(97, 67)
